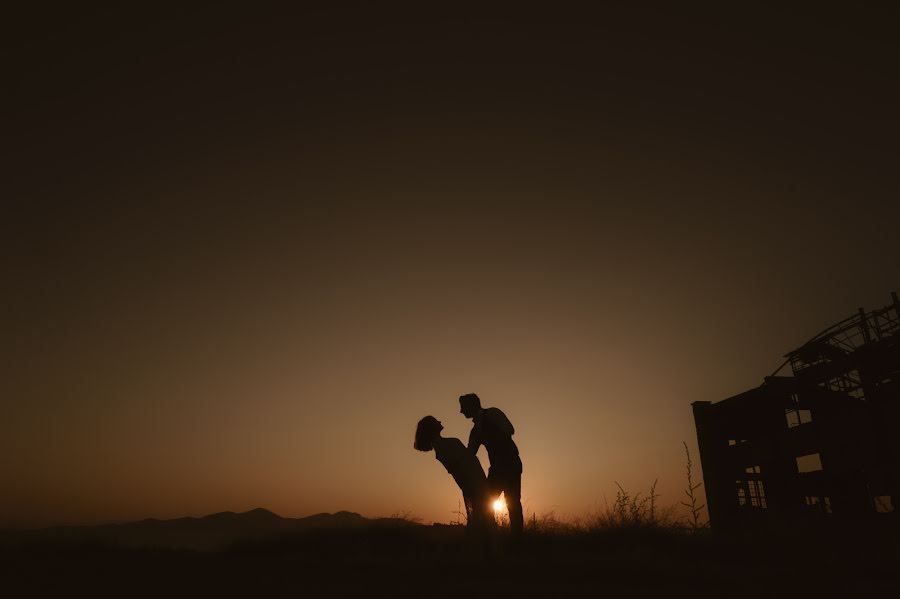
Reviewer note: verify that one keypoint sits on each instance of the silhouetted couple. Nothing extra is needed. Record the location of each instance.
(492, 429)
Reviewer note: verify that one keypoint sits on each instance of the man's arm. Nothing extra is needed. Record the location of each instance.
(474, 440)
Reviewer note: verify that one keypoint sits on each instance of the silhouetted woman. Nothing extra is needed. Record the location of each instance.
(465, 469)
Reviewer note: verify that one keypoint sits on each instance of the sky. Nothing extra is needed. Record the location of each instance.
(246, 251)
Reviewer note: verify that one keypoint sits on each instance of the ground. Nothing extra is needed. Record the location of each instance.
(438, 561)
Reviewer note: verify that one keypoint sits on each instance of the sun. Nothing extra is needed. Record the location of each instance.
(499, 505)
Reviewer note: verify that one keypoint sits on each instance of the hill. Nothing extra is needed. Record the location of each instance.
(208, 533)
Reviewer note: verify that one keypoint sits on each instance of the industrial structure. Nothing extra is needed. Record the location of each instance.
(819, 443)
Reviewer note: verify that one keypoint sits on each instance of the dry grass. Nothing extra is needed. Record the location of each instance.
(633, 511)
(629, 511)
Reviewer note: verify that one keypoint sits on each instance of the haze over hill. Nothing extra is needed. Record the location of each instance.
(212, 532)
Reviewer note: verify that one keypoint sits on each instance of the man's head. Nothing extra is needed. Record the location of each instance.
(469, 405)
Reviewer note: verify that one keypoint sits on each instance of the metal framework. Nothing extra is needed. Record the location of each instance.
(820, 443)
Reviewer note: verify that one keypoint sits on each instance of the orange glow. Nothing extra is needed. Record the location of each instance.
(499, 506)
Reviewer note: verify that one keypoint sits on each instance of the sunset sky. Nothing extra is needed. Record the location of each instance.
(244, 253)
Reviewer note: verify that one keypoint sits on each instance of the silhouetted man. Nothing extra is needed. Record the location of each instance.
(493, 430)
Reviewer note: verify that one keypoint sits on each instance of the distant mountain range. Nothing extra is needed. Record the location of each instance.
(208, 533)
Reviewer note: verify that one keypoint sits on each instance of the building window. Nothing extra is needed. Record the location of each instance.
(809, 463)
(757, 493)
(751, 493)
(884, 504)
(796, 417)
(752, 470)
(818, 504)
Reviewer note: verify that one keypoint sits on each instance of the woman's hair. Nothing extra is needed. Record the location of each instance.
(426, 431)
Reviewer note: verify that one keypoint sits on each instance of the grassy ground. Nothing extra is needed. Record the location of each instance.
(438, 561)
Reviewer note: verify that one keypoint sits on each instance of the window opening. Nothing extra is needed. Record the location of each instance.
(795, 417)
(809, 463)
(757, 493)
(818, 504)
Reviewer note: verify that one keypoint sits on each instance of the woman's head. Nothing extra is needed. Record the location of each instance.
(427, 431)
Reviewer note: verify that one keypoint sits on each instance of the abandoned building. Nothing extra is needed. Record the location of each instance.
(820, 442)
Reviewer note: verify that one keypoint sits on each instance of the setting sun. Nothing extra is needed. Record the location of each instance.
(499, 505)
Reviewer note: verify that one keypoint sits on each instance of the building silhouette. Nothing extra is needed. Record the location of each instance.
(818, 443)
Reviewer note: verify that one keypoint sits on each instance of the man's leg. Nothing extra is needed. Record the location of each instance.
(510, 484)
(512, 491)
